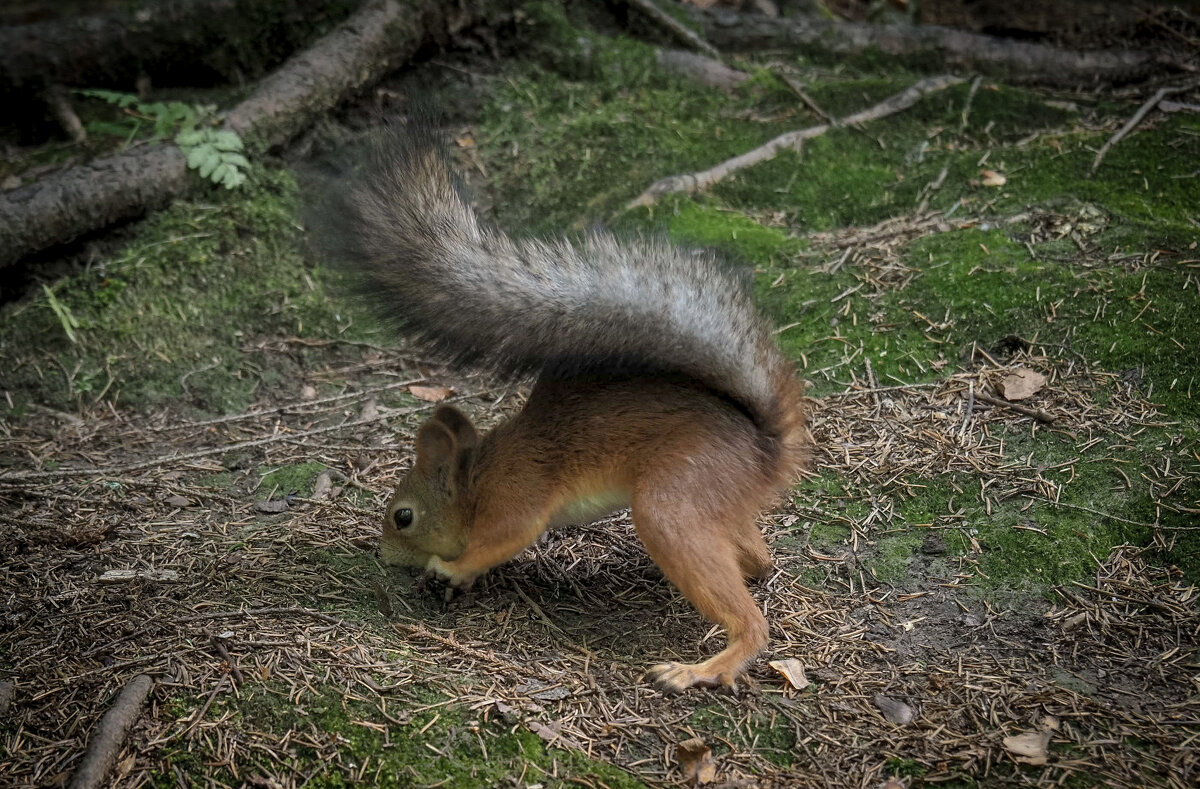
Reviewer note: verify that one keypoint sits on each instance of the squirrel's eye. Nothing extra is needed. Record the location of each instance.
(403, 518)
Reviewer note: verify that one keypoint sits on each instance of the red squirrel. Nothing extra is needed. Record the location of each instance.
(658, 387)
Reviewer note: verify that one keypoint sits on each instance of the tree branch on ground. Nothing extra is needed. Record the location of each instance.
(692, 182)
(1141, 113)
(1015, 61)
(700, 69)
(679, 31)
(109, 735)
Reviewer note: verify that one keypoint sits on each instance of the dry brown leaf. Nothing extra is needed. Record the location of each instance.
(992, 178)
(177, 501)
(125, 767)
(308, 392)
(695, 761)
(323, 487)
(552, 734)
(547, 733)
(895, 711)
(430, 394)
(370, 410)
(792, 670)
(271, 506)
(1029, 748)
(1021, 384)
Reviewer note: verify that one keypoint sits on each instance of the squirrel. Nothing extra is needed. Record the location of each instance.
(658, 387)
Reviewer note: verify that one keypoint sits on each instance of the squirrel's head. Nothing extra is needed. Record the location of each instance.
(426, 515)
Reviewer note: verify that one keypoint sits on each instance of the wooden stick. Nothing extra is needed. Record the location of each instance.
(795, 87)
(683, 34)
(1034, 413)
(1132, 123)
(109, 735)
(695, 181)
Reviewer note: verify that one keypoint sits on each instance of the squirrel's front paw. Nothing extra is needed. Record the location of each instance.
(457, 583)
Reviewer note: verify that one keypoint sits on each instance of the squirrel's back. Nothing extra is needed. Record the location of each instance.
(601, 306)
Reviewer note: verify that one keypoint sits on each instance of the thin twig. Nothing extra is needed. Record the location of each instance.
(683, 34)
(333, 620)
(966, 110)
(219, 645)
(794, 85)
(24, 476)
(970, 408)
(1103, 514)
(204, 710)
(1143, 110)
(692, 182)
(286, 407)
(1033, 413)
(901, 387)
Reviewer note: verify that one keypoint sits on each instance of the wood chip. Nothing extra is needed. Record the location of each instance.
(1029, 748)
(125, 576)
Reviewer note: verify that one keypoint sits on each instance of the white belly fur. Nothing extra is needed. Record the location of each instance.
(589, 508)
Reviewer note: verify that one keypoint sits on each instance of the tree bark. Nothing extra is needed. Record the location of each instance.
(68, 204)
(1015, 61)
(193, 41)
(109, 735)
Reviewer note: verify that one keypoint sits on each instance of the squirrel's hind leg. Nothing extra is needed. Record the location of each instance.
(700, 552)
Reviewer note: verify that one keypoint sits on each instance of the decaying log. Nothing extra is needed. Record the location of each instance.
(68, 204)
(159, 40)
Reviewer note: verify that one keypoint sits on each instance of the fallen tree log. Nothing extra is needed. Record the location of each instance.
(1014, 61)
(70, 203)
(176, 41)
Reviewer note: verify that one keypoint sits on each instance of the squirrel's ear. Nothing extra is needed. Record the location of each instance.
(435, 448)
(459, 425)
(441, 453)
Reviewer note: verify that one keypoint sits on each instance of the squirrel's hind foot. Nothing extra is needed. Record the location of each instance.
(678, 677)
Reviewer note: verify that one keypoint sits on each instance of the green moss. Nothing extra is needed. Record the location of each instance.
(295, 479)
(892, 556)
(446, 746)
(704, 224)
(166, 318)
(718, 723)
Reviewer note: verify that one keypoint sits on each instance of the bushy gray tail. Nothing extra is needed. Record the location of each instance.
(477, 297)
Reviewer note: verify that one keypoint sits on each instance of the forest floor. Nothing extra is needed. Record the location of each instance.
(200, 429)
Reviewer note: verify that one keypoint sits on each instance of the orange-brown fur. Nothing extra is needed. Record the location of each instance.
(695, 469)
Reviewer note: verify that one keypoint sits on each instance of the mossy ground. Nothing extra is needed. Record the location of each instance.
(441, 746)
(211, 306)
